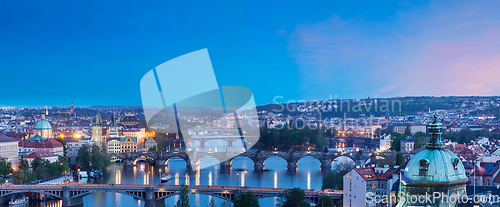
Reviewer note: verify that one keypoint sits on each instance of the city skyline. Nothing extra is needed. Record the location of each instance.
(96, 53)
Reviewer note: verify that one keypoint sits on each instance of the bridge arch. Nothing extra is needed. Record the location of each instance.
(276, 155)
(177, 156)
(207, 156)
(239, 143)
(109, 191)
(143, 158)
(242, 155)
(32, 191)
(216, 145)
(309, 155)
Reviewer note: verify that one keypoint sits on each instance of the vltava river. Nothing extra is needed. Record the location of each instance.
(307, 176)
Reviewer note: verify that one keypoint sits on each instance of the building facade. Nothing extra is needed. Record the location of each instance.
(407, 144)
(128, 144)
(150, 142)
(73, 145)
(363, 184)
(114, 145)
(9, 149)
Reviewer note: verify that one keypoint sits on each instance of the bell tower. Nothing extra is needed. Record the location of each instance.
(97, 133)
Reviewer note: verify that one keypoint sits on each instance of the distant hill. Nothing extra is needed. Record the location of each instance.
(116, 107)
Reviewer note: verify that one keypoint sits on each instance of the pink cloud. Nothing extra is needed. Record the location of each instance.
(451, 49)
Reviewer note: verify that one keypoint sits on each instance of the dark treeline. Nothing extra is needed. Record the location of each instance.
(293, 136)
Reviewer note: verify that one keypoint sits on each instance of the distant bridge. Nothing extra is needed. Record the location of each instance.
(72, 195)
(226, 158)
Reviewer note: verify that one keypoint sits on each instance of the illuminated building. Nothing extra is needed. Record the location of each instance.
(43, 128)
(97, 137)
(128, 144)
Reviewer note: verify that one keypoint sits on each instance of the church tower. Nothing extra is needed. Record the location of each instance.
(433, 170)
(72, 109)
(97, 133)
(113, 127)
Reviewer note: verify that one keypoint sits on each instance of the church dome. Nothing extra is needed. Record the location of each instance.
(42, 124)
(435, 164)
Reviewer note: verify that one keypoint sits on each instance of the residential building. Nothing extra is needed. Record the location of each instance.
(40, 145)
(128, 144)
(51, 157)
(9, 149)
(359, 183)
(385, 142)
(150, 142)
(407, 144)
(73, 145)
(414, 128)
(114, 145)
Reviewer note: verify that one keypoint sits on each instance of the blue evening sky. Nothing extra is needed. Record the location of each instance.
(96, 52)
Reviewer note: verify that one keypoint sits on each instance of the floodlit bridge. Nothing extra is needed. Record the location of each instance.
(72, 195)
(226, 158)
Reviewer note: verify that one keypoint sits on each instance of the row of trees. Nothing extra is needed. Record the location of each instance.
(40, 169)
(91, 157)
(294, 135)
(293, 198)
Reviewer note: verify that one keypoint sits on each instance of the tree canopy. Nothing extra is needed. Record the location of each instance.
(332, 181)
(294, 198)
(5, 167)
(183, 197)
(247, 199)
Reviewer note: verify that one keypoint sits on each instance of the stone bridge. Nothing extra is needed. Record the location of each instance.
(72, 195)
(192, 158)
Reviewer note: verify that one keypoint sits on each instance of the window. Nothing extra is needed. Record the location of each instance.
(424, 164)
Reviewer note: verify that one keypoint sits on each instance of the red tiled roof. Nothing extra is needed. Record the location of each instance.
(41, 155)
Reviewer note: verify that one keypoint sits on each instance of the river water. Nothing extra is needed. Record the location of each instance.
(275, 175)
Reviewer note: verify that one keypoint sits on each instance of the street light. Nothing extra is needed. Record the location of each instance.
(237, 182)
(245, 179)
(159, 175)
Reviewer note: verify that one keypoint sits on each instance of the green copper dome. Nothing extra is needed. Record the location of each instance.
(42, 124)
(435, 164)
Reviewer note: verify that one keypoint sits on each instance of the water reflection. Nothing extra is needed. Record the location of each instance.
(307, 176)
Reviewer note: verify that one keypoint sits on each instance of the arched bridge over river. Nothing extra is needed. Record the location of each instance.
(192, 158)
(72, 195)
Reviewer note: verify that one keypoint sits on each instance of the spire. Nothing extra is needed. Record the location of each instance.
(98, 121)
(435, 130)
(113, 118)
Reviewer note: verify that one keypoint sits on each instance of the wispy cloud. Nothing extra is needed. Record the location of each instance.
(439, 49)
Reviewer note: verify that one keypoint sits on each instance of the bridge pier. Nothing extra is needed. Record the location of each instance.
(160, 162)
(326, 165)
(225, 164)
(70, 202)
(292, 166)
(149, 197)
